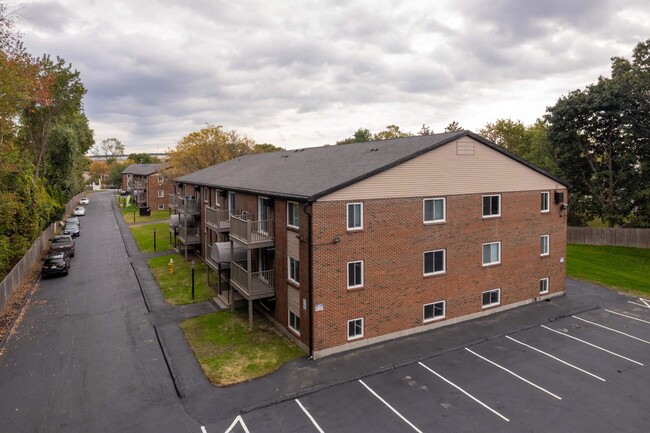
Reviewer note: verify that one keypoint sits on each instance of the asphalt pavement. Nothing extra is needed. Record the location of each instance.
(101, 351)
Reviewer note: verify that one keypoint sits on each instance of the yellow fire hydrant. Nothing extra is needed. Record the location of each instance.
(171, 266)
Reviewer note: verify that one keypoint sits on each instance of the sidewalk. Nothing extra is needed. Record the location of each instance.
(304, 376)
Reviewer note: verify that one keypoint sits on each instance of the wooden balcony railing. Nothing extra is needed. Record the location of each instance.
(252, 233)
(189, 236)
(217, 219)
(252, 285)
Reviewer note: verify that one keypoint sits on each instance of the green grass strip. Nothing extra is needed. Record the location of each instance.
(177, 286)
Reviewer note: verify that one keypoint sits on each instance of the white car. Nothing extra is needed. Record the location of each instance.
(84, 201)
(79, 211)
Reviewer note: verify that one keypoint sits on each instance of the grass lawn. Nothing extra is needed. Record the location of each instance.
(144, 237)
(617, 267)
(229, 353)
(127, 213)
(177, 287)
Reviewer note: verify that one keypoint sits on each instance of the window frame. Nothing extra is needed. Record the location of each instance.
(542, 252)
(161, 179)
(161, 193)
(483, 206)
(545, 202)
(491, 304)
(355, 336)
(544, 285)
(289, 222)
(161, 206)
(434, 317)
(291, 268)
(347, 216)
(433, 210)
(444, 263)
(498, 262)
(290, 323)
(362, 271)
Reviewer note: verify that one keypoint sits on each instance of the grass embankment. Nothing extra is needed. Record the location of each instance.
(128, 210)
(229, 353)
(617, 267)
(144, 237)
(177, 287)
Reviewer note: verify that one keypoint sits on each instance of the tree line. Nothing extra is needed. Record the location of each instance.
(44, 134)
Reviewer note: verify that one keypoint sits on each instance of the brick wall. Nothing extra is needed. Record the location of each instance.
(392, 244)
(152, 191)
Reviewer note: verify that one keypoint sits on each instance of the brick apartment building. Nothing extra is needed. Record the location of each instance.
(355, 244)
(147, 185)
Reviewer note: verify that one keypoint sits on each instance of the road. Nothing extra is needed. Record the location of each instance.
(85, 357)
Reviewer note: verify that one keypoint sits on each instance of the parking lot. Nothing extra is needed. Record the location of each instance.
(583, 373)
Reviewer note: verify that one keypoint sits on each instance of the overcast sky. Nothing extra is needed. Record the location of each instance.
(308, 73)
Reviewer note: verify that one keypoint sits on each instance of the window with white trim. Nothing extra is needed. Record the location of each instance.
(355, 216)
(161, 207)
(491, 206)
(294, 270)
(206, 195)
(433, 311)
(355, 274)
(544, 242)
(161, 179)
(543, 285)
(161, 193)
(292, 214)
(355, 328)
(491, 297)
(434, 262)
(433, 210)
(294, 322)
(491, 253)
(545, 202)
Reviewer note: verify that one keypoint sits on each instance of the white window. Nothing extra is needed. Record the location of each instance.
(161, 207)
(294, 322)
(433, 210)
(355, 328)
(545, 205)
(355, 274)
(294, 270)
(161, 179)
(161, 193)
(544, 245)
(434, 262)
(543, 285)
(355, 216)
(491, 297)
(491, 253)
(292, 214)
(206, 195)
(129, 176)
(231, 203)
(491, 206)
(434, 311)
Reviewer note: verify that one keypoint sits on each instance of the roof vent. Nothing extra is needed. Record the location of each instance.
(374, 149)
(284, 156)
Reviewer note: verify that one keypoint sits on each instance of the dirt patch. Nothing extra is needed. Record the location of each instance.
(12, 307)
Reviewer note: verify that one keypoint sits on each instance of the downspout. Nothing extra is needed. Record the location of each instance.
(310, 279)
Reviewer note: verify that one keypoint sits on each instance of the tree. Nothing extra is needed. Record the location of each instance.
(266, 147)
(207, 147)
(601, 137)
(425, 130)
(453, 127)
(141, 158)
(361, 135)
(98, 171)
(391, 131)
(115, 172)
(109, 148)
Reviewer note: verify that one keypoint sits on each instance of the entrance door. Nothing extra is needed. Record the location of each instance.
(263, 214)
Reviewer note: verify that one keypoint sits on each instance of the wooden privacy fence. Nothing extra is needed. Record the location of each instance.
(21, 271)
(638, 238)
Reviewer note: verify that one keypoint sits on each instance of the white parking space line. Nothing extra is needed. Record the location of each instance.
(645, 303)
(313, 421)
(592, 345)
(629, 317)
(555, 358)
(466, 393)
(390, 407)
(239, 420)
(514, 374)
(612, 329)
(203, 430)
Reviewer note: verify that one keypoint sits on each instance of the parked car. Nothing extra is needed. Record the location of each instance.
(63, 243)
(71, 229)
(84, 201)
(79, 211)
(74, 220)
(57, 263)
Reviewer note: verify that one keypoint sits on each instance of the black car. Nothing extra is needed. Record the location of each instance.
(56, 264)
(71, 229)
(63, 243)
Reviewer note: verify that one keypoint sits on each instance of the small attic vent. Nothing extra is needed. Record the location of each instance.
(374, 149)
(464, 148)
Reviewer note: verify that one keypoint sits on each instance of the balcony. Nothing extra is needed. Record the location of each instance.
(218, 219)
(252, 285)
(189, 235)
(138, 184)
(140, 197)
(250, 233)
